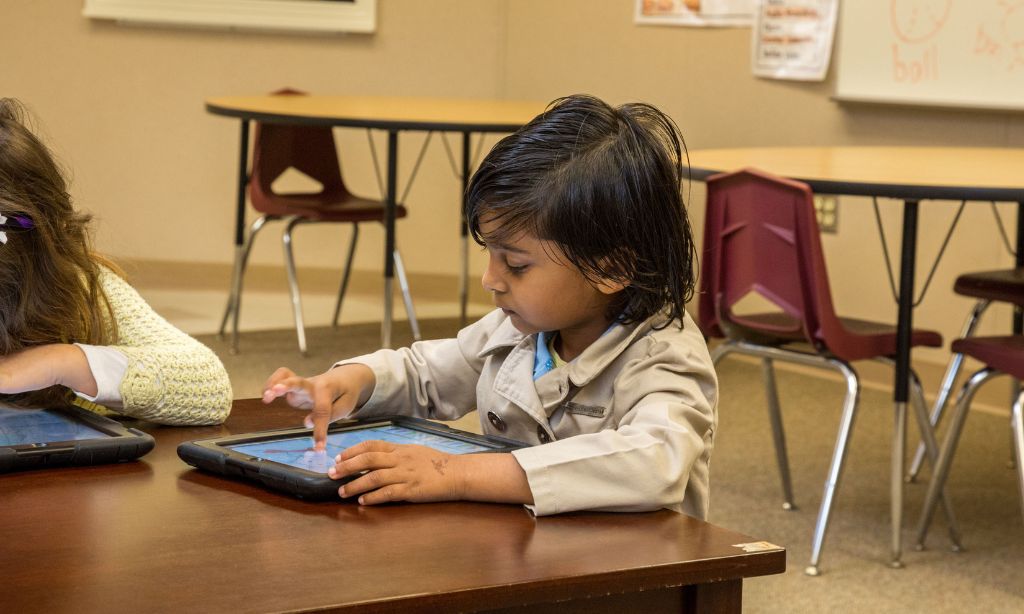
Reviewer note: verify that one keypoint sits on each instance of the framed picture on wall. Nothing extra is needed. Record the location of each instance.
(283, 15)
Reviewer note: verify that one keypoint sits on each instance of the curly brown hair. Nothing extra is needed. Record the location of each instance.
(49, 274)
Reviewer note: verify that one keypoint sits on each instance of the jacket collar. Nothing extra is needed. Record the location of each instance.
(593, 360)
(607, 348)
(505, 336)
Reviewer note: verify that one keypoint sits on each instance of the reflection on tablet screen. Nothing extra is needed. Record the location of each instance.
(24, 426)
(298, 451)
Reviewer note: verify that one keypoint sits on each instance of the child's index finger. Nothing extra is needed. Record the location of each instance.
(321, 415)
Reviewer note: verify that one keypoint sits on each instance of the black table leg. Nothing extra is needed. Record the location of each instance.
(243, 181)
(901, 386)
(389, 237)
(1018, 313)
(464, 234)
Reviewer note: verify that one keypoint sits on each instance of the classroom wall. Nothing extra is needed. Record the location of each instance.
(123, 107)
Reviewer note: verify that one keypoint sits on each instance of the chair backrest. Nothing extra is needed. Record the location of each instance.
(308, 149)
(761, 236)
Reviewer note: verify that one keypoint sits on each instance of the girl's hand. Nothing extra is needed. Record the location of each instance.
(329, 396)
(398, 472)
(42, 366)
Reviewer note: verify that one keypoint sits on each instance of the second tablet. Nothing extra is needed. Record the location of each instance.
(285, 460)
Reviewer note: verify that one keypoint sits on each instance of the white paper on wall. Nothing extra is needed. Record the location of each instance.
(792, 39)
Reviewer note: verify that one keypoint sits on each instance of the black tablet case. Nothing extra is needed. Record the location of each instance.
(210, 455)
(124, 444)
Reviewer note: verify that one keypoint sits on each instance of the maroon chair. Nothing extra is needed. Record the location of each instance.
(1001, 356)
(1005, 285)
(312, 151)
(761, 239)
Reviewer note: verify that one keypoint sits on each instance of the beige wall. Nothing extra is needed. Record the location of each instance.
(123, 107)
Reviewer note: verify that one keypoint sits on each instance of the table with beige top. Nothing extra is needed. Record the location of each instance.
(156, 535)
(911, 174)
(391, 114)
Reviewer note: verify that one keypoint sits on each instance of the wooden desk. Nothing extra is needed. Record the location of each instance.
(159, 536)
(392, 114)
(912, 174)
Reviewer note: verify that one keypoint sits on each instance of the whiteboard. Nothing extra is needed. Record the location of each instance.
(959, 53)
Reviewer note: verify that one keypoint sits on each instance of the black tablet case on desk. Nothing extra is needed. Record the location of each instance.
(47, 438)
(215, 455)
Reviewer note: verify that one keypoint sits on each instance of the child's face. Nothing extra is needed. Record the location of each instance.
(540, 291)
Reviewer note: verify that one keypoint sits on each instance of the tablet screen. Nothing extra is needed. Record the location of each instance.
(298, 451)
(25, 426)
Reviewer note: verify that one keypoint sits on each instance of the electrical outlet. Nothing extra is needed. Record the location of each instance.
(826, 209)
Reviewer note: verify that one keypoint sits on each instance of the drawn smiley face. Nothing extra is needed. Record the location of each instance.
(915, 21)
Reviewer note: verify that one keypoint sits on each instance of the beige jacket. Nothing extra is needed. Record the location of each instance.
(626, 426)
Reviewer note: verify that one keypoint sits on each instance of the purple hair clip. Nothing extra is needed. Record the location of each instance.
(15, 222)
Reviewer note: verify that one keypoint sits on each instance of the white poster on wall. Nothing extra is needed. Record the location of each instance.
(695, 12)
(958, 53)
(792, 39)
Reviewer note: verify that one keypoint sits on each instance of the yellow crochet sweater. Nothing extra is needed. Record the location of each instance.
(171, 377)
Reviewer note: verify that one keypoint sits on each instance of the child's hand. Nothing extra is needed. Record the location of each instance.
(42, 366)
(398, 472)
(329, 396)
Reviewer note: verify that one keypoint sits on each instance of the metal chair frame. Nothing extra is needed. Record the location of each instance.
(233, 308)
(946, 389)
(945, 459)
(768, 355)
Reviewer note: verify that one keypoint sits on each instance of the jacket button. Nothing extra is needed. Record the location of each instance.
(496, 422)
(542, 434)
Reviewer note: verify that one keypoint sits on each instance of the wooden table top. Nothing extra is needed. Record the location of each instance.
(157, 535)
(385, 112)
(971, 173)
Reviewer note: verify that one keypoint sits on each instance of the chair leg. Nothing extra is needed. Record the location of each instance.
(238, 274)
(293, 282)
(942, 464)
(948, 381)
(1017, 422)
(932, 450)
(237, 271)
(344, 277)
(403, 282)
(778, 432)
(836, 466)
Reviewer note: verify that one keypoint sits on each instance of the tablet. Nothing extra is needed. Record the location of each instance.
(39, 438)
(285, 460)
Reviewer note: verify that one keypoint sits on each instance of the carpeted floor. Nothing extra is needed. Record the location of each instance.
(746, 493)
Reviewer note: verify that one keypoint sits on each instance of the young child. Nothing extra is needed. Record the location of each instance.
(590, 355)
(71, 330)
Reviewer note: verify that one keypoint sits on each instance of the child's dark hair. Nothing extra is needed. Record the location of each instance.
(604, 184)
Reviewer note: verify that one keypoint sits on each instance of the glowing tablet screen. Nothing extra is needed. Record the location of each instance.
(26, 426)
(298, 451)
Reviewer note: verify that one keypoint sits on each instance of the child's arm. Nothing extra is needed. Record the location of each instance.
(328, 396)
(42, 366)
(170, 377)
(396, 472)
